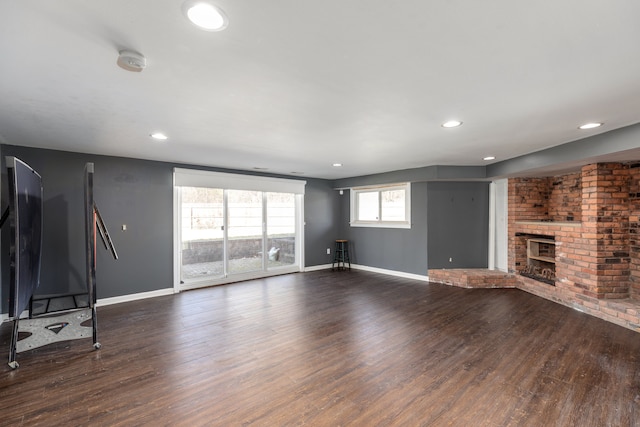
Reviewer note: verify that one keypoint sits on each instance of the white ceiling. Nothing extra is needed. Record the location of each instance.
(294, 85)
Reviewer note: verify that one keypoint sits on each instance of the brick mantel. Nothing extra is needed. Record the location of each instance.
(551, 225)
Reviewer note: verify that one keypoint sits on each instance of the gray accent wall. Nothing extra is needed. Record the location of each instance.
(396, 249)
(321, 208)
(458, 224)
(138, 193)
(449, 220)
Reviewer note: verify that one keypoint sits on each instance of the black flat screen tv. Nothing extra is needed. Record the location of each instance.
(25, 219)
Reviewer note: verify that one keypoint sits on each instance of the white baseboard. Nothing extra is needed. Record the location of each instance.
(133, 297)
(373, 270)
(317, 267)
(109, 301)
(391, 272)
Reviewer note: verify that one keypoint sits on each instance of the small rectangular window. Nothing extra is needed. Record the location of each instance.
(381, 206)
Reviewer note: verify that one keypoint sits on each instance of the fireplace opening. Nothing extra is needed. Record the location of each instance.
(537, 258)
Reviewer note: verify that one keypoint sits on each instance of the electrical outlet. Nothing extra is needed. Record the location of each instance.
(124, 227)
(328, 251)
(450, 259)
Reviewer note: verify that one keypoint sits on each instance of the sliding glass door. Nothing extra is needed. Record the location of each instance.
(281, 229)
(202, 233)
(228, 234)
(245, 247)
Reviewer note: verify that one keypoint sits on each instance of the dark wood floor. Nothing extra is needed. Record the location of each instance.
(329, 349)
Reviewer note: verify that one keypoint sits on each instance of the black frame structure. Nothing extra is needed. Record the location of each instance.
(94, 224)
(26, 221)
(45, 329)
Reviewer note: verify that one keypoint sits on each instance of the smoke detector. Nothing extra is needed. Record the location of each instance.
(131, 61)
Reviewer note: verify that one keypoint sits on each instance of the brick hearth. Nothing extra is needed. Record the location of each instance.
(473, 278)
(625, 313)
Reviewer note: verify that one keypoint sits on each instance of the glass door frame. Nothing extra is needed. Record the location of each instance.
(184, 177)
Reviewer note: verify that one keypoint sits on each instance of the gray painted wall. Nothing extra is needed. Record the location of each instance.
(137, 193)
(449, 220)
(394, 249)
(133, 192)
(321, 208)
(458, 224)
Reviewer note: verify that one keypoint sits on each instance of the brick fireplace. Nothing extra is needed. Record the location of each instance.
(587, 215)
(583, 229)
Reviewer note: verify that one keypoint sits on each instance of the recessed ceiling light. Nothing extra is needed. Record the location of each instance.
(590, 125)
(159, 136)
(337, 165)
(205, 15)
(451, 124)
(489, 158)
